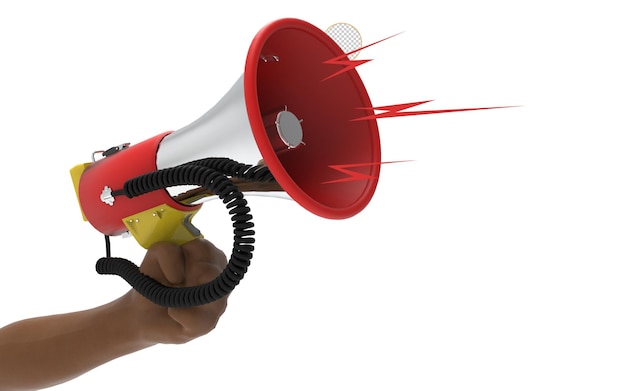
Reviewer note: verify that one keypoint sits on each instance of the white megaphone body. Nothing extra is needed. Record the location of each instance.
(292, 109)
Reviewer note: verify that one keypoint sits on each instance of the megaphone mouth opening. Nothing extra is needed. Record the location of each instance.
(303, 121)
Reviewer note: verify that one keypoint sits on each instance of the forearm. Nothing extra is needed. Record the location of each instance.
(42, 352)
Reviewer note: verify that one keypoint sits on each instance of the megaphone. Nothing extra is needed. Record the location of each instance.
(287, 120)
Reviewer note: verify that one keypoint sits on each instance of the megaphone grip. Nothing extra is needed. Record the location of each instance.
(199, 173)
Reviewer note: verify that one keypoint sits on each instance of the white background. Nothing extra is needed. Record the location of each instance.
(494, 261)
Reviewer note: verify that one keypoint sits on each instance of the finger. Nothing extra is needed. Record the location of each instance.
(198, 273)
(203, 251)
(197, 321)
(169, 259)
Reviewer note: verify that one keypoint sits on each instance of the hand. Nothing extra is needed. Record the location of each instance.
(193, 263)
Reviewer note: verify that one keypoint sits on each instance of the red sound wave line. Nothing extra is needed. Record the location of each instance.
(395, 110)
(350, 64)
(356, 176)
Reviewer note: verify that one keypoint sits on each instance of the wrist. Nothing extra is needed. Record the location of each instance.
(127, 322)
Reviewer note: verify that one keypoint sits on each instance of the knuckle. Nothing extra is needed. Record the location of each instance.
(199, 321)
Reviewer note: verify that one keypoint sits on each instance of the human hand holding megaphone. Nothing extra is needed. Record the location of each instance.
(45, 351)
(192, 264)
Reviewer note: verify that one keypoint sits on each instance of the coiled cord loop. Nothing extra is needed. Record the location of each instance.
(211, 173)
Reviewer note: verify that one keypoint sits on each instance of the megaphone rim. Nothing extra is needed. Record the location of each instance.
(260, 136)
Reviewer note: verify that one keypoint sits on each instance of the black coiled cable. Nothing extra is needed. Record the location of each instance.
(211, 173)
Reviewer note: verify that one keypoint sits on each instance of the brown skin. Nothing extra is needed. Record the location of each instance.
(43, 352)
